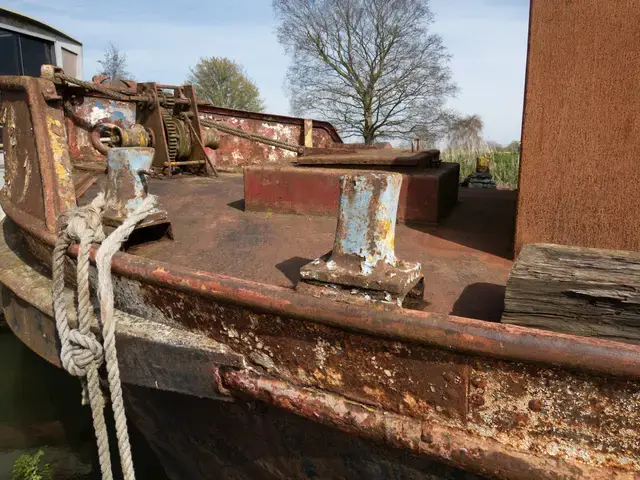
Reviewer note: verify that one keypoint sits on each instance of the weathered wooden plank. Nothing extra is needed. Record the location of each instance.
(582, 291)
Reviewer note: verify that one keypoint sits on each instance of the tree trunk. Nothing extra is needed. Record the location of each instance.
(368, 132)
(369, 138)
(581, 291)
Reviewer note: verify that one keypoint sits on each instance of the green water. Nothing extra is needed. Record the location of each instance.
(40, 409)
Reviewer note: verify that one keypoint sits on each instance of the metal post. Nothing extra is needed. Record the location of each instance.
(308, 133)
(126, 184)
(367, 220)
(127, 188)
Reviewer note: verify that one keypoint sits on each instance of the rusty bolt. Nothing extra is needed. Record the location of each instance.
(450, 394)
(426, 437)
(536, 405)
(476, 400)
(478, 382)
(449, 377)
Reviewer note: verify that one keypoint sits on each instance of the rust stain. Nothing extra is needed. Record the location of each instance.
(549, 412)
(234, 153)
(581, 106)
(455, 446)
(366, 369)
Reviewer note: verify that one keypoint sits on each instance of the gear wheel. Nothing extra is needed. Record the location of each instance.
(171, 132)
(170, 129)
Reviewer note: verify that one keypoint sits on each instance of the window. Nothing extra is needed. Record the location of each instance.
(69, 62)
(23, 54)
(10, 58)
(35, 53)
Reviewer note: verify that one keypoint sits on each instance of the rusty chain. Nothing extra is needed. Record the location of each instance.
(107, 92)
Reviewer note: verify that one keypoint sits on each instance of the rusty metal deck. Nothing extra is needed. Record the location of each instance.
(466, 260)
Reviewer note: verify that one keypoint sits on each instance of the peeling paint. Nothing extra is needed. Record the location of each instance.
(27, 179)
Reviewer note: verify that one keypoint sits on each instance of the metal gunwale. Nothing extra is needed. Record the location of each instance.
(448, 332)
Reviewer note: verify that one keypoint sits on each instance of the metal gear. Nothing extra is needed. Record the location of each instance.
(171, 132)
(170, 128)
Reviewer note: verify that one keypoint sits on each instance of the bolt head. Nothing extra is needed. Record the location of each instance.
(536, 405)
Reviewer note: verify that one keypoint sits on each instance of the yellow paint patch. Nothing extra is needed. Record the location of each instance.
(377, 393)
(308, 134)
(58, 142)
(388, 234)
(334, 377)
(62, 172)
(409, 399)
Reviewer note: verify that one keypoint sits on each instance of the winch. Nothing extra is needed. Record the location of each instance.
(168, 123)
(165, 118)
(171, 117)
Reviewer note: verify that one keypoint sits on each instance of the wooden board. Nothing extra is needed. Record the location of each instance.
(582, 291)
(369, 156)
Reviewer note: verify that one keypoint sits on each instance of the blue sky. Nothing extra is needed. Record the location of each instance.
(487, 39)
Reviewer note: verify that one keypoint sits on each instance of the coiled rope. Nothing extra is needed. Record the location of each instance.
(81, 352)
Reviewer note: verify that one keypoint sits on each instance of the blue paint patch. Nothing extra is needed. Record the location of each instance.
(134, 159)
(120, 113)
(354, 209)
(118, 116)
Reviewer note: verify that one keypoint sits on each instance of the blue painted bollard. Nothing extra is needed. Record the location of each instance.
(126, 184)
(127, 188)
(363, 256)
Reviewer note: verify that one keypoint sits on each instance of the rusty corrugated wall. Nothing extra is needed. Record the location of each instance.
(580, 172)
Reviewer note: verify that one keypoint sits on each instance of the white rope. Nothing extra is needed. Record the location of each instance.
(81, 353)
(105, 293)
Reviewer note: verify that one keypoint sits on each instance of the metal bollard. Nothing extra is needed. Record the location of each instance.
(363, 255)
(127, 188)
(126, 184)
(366, 221)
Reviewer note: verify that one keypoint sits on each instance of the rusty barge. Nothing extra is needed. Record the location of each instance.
(248, 351)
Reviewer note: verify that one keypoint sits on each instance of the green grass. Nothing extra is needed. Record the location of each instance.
(504, 165)
(28, 467)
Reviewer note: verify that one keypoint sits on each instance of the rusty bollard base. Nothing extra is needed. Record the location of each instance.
(362, 264)
(386, 283)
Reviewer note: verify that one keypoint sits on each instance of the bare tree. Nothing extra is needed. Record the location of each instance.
(225, 84)
(466, 134)
(434, 126)
(114, 63)
(369, 66)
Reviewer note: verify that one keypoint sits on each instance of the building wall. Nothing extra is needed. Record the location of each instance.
(9, 22)
(580, 169)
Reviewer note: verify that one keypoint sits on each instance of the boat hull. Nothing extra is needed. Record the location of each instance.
(199, 439)
(207, 407)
